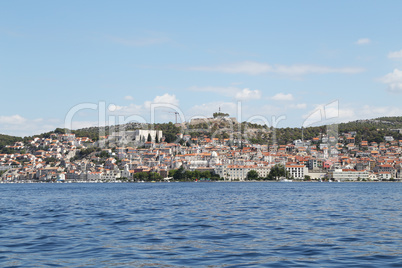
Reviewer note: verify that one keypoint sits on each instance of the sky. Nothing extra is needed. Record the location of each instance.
(282, 63)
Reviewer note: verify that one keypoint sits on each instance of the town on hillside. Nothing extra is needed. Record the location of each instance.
(145, 155)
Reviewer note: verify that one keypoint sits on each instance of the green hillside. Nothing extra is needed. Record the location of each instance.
(8, 140)
(371, 130)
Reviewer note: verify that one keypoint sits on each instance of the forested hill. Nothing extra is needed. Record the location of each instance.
(369, 130)
(7, 140)
(372, 130)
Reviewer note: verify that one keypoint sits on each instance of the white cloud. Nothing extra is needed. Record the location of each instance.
(207, 109)
(298, 106)
(18, 125)
(282, 97)
(267, 110)
(141, 112)
(166, 98)
(128, 98)
(225, 91)
(247, 94)
(344, 114)
(84, 124)
(395, 54)
(256, 68)
(233, 92)
(393, 80)
(396, 87)
(247, 67)
(369, 111)
(125, 110)
(332, 110)
(115, 114)
(328, 114)
(363, 41)
(12, 120)
(314, 69)
(334, 113)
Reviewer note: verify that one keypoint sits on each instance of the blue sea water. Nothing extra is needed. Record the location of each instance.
(201, 224)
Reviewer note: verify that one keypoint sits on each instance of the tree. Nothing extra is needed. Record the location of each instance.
(252, 175)
(149, 137)
(182, 142)
(188, 175)
(157, 138)
(141, 176)
(220, 114)
(179, 174)
(197, 174)
(154, 176)
(61, 130)
(225, 135)
(170, 137)
(104, 154)
(278, 171)
(172, 172)
(50, 159)
(205, 174)
(169, 131)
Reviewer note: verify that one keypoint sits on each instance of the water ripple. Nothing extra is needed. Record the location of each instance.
(201, 224)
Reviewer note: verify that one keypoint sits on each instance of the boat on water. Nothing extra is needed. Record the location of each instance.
(286, 180)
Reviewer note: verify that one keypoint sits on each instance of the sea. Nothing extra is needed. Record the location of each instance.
(208, 224)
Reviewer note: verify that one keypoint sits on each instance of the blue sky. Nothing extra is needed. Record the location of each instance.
(257, 60)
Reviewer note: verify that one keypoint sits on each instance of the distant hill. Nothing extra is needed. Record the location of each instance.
(7, 140)
(371, 130)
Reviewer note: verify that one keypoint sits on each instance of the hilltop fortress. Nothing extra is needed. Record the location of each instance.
(217, 118)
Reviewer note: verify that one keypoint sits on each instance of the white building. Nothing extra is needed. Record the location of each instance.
(388, 138)
(384, 175)
(135, 136)
(110, 175)
(298, 143)
(94, 176)
(192, 165)
(348, 174)
(238, 172)
(297, 171)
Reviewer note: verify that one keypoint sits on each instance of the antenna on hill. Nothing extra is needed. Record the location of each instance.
(175, 113)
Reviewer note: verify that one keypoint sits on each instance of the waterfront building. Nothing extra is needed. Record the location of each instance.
(297, 171)
(348, 175)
